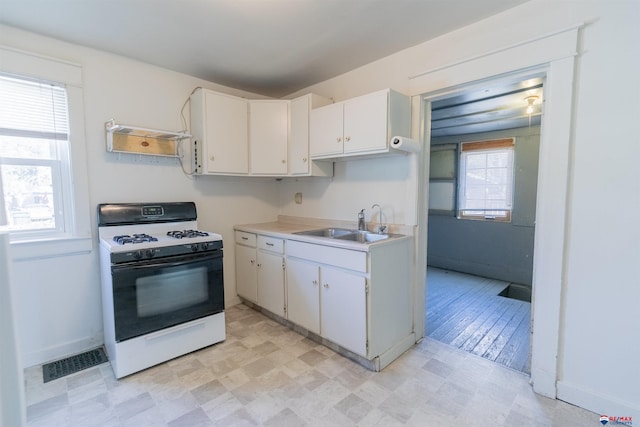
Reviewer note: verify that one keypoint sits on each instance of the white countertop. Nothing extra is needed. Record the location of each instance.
(286, 230)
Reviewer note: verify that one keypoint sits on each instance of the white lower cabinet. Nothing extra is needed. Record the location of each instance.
(260, 271)
(327, 293)
(271, 277)
(357, 299)
(246, 266)
(329, 302)
(343, 309)
(303, 294)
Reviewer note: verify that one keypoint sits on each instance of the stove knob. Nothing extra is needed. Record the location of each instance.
(204, 246)
(194, 248)
(137, 254)
(149, 253)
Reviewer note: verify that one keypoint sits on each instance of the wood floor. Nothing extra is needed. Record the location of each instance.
(466, 312)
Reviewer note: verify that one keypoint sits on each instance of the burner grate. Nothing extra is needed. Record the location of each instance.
(136, 238)
(70, 365)
(188, 234)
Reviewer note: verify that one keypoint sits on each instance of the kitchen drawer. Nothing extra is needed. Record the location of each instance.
(338, 257)
(244, 238)
(271, 244)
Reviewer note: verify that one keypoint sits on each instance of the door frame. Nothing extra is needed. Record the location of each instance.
(554, 57)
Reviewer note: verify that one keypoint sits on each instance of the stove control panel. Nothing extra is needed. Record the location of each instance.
(137, 255)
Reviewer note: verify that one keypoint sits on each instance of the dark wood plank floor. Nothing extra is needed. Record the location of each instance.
(466, 312)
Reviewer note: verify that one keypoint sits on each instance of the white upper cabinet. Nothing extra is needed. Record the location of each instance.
(327, 127)
(268, 134)
(299, 159)
(235, 136)
(359, 126)
(219, 129)
(365, 123)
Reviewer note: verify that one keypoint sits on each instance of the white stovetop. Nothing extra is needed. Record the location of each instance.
(158, 231)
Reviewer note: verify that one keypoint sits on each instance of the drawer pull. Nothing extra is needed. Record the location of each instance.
(245, 238)
(269, 244)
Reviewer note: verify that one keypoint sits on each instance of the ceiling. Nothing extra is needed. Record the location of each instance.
(268, 47)
(494, 106)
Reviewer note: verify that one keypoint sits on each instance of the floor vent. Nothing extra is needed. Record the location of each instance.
(516, 291)
(70, 365)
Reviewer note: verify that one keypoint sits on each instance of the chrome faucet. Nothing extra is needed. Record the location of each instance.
(381, 227)
(361, 224)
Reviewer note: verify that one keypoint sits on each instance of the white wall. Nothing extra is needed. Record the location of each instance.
(356, 185)
(599, 343)
(58, 299)
(12, 397)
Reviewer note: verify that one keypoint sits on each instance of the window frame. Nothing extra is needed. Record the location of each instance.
(76, 235)
(435, 179)
(58, 165)
(485, 146)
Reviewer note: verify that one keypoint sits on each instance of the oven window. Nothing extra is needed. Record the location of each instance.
(165, 293)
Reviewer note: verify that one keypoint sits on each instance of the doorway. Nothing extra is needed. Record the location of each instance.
(554, 57)
(481, 214)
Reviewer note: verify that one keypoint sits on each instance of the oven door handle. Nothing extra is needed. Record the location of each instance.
(143, 265)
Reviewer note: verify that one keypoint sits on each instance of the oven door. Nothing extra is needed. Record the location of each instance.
(155, 294)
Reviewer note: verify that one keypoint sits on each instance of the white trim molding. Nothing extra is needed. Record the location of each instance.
(551, 55)
(517, 56)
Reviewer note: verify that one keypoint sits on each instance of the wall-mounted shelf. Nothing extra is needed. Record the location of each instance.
(137, 140)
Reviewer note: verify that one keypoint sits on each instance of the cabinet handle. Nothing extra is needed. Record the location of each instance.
(284, 161)
(245, 238)
(304, 159)
(259, 265)
(339, 139)
(315, 282)
(348, 138)
(252, 261)
(212, 158)
(326, 285)
(269, 244)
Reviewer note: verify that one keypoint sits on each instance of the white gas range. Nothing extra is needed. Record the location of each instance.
(162, 283)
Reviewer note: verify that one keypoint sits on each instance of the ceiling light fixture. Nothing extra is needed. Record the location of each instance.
(530, 101)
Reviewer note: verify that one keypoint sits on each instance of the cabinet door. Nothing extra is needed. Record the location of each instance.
(303, 297)
(246, 273)
(326, 131)
(365, 123)
(268, 130)
(271, 282)
(343, 312)
(299, 137)
(226, 134)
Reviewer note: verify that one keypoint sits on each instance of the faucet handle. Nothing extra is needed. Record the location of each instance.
(382, 229)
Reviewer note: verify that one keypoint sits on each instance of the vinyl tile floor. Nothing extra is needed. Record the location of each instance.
(264, 374)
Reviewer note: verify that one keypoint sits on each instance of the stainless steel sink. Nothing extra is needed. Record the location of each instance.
(326, 232)
(359, 236)
(363, 237)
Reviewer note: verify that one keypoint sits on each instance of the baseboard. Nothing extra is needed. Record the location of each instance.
(49, 354)
(600, 403)
(544, 383)
(394, 352)
(498, 272)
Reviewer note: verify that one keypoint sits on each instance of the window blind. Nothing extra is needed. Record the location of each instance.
(33, 109)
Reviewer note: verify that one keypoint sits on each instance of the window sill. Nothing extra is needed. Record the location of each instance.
(50, 248)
